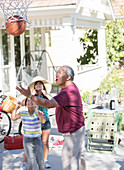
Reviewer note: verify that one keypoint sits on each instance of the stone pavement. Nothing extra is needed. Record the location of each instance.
(11, 159)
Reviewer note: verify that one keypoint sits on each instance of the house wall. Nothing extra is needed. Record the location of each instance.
(60, 48)
(65, 46)
(88, 77)
(65, 49)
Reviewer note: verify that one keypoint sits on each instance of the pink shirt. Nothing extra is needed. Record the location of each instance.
(69, 116)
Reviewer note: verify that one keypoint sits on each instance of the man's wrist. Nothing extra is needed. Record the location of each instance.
(29, 98)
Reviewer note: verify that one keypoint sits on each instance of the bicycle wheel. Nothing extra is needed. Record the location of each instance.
(5, 125)
(20, 128)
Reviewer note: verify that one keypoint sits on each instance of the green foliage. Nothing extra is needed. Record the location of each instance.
(121, 121)
(122, 10)
(5, 46)
(17, 51)
(114, 41)
(90, 47)
(113, 80)
(85, 96)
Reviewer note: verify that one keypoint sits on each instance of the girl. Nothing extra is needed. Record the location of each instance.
(41, 88)
(31, 120)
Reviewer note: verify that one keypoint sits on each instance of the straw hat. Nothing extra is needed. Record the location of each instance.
(46, 83)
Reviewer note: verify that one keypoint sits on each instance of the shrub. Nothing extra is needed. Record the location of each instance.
(85, 96)
(113, 80)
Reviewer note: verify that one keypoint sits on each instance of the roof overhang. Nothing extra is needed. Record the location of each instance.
(82, 11)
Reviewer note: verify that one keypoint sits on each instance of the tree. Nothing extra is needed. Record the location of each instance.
(114, 41)
(90, 47)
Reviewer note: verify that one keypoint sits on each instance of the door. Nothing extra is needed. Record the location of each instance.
(5, 59)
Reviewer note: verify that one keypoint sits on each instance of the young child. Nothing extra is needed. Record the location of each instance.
(41, 88)
(32, 142)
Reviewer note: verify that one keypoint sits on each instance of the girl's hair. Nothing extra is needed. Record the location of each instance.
(69, 72)
(26, 101)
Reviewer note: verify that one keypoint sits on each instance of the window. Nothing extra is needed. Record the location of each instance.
(37, 39)
(48, 39)
(5, 47)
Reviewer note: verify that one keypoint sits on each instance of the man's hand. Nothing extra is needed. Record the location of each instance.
(25, 92)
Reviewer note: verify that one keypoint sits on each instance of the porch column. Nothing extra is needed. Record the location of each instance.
(102, 52)
(32, 47)
(12, 75)
(45, 58)
(43, 38)
(102, 46)
(69, 33)
(22, 42)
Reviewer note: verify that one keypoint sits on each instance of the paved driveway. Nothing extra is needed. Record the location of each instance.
(11, 159)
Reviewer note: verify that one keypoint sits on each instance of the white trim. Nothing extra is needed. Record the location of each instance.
(52, 8)
(88, 24)
(45, 22)
(87, 18)
(12, 72)
(43, 45)
(22, 44)
(79, 6)
(96, 8)
(102, 46)
(50, 13)
(31, 30)
(88, 68)
(5, 66)
(111, 9)
(69, 20)
(119, 17)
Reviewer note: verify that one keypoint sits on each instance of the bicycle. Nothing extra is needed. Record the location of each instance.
(5, 121)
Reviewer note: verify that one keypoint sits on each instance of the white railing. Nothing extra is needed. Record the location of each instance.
(88, 77)
(5, 78)
(52, 73)
(80, 70)
(87, 67)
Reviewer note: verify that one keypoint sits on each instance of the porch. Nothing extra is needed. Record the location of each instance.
(55, 28)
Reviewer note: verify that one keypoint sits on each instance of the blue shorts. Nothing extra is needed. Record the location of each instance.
(46, 125)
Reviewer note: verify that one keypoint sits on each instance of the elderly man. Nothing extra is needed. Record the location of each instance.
(69, 117)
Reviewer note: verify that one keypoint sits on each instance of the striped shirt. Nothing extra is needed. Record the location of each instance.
(31, 124)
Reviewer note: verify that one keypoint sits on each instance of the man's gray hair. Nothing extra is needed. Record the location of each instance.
(69, 72)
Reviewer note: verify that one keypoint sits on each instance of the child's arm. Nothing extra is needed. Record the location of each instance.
(15, 116)
(40, 115)
(23, 102)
